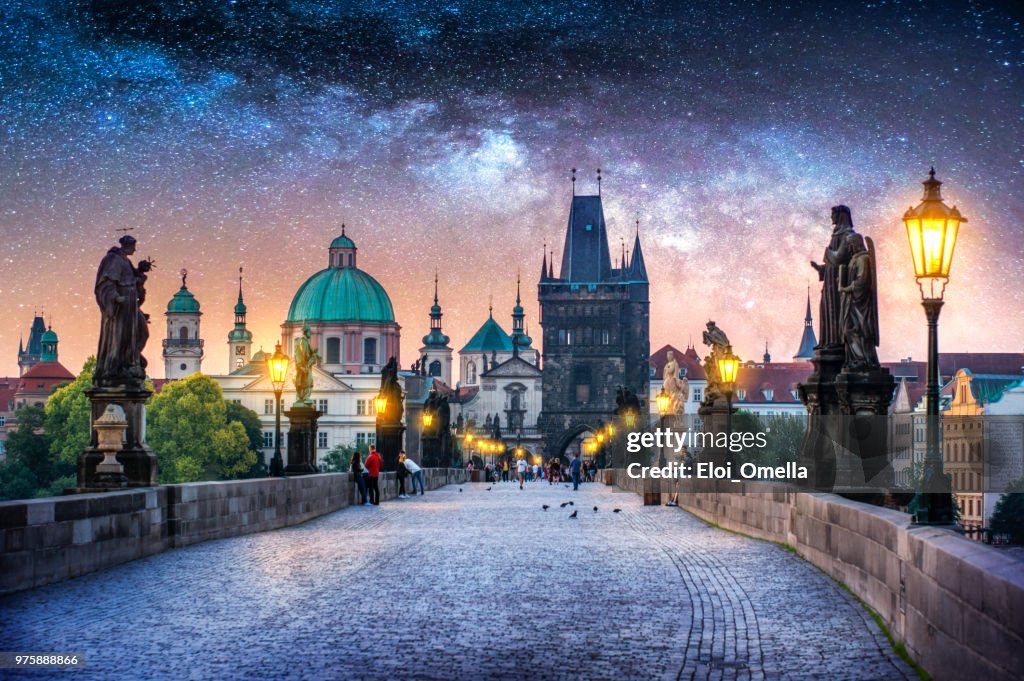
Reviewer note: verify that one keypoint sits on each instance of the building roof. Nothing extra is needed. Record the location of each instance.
(1008, 363)
(988, 388)
(183, 302)
(8, 386)
(490, 337)
(687, 360)
(43, 378)
(755, 384)
(585, 256)
(341, 295)
(807, 340)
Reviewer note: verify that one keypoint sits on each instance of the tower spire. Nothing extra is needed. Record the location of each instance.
(435, 286)
(544, 263)
(807, 341)
(599, 182)
(574, 182)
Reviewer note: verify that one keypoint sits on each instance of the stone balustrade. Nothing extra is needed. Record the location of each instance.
(47, 540)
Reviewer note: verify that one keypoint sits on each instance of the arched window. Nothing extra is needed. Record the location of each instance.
(334, 350)
(471, 371)
(369, 351)
(435, 368)
(183, 333)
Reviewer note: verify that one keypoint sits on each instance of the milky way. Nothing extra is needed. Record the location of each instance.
(244, 133)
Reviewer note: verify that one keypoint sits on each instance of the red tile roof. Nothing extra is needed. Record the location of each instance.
(776, 379)
(48, 370)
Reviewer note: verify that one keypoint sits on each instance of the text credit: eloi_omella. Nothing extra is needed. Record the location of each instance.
(676, 441)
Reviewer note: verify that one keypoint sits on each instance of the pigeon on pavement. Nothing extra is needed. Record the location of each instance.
(574, 514)
(545, 507)
(616, 510)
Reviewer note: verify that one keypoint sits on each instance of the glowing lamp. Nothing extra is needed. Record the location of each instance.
(277, 367)
(610, 431)
(630, 418)
(428, 418)
(728, 368)
(663, 399)
(380, 403)
(932, 228)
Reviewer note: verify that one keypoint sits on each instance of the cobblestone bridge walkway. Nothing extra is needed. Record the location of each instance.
(463, 585)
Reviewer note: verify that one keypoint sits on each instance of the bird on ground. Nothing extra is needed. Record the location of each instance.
(574, 514)
(595, 509)
(567, 486)
(545, 507)
(571, 503)
(460, 490)
(488, 489)
(564, 504)
(616, 510)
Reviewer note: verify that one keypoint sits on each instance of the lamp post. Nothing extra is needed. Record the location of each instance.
(932, 229)
(277, 367)
(426, 419)
(728, 368)
(664, 401)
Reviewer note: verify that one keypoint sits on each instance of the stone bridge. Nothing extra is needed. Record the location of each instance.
(470, 581)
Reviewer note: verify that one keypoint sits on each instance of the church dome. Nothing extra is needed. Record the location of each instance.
(339, 294)
(183, 302)
(343, 242)
(50, 336)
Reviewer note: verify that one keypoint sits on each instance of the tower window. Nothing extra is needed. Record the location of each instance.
(334, 350)
(435, 368)
(581, 379)
(183, 333)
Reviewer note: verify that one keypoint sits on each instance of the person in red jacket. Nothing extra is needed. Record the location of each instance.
(373, 465)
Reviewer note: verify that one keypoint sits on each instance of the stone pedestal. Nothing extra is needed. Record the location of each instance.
(137, 460)
(714, 417)
(302, 429)
(389, 443)
(846, 449)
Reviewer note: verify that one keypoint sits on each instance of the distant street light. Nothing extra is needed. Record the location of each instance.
(728, 369)
(932, 229)
(277, 368)
(664, 401)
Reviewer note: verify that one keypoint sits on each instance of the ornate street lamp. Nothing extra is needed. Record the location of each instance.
(277, 368)
(932, 229)
(380, 403)
(630, 418)
(728, 369)
(664, 401)
(427, 418)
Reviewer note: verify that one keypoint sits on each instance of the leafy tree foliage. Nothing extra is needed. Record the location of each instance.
(188, 429)
(250, 420)
(1008, 517)
(339, 459)
(30, 468)
(68, 417)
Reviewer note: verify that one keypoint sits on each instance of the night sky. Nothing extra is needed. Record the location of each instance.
(244, 133)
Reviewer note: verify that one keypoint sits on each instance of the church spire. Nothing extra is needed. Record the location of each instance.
(807, 340)
(435, 338)
(544, 263)
(637, 267)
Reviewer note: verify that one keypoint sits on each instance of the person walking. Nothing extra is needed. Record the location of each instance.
(402, 474)
(574, 469)
(504, 471)
(413, 469)
(521, 467)
(373, 466)
(359, 475)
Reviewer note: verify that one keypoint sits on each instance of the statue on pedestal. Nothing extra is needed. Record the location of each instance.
(677, 389)
(720, 347)
(306, 357)
(836, 255)
(124, 329)
(859, 306)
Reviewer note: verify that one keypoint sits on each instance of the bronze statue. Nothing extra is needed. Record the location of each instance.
(124, 329)
(836, 256)
(390, 389)
(306, 357)
(859, 311)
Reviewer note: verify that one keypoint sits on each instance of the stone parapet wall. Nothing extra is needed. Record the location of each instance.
(957, 605)
(51, 539)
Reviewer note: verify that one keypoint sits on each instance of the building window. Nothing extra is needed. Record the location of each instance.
(333, 350)
(183, 333)
(471, 370)
(606, 337)
(360, 407)
(3, 421)
(698, 394)
(268, 439)
(581, 378)
(369, 351)
(366, 438)
(321, 440)
(268, 407)
(321, 406)
(435, 368)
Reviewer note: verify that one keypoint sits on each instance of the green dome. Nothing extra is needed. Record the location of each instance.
(49, 336)
(183, 302)
(341, 295)
(343, 242)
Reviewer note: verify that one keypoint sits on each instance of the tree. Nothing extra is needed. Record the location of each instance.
(68, 417)
(1008, 517)
(339, 459)
(189, 431)
(250, 420)
(16, 480)
(29, 445)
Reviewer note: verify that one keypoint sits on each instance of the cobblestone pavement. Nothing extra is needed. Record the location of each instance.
(463, 585)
